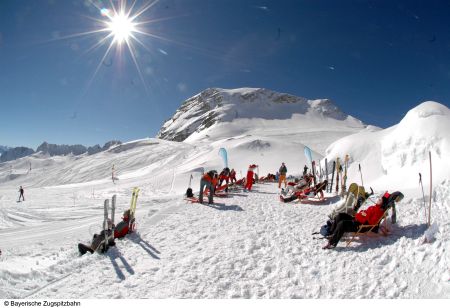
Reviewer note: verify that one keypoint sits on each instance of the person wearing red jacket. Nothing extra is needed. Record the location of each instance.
(123, 227)
(224, 176)
(249, 180)
(232, 176)
(345, 223)
(120, 231)
(209, 180)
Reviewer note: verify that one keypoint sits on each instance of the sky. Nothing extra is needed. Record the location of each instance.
(374, 59)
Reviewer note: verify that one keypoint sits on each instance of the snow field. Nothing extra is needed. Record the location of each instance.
(245, 246)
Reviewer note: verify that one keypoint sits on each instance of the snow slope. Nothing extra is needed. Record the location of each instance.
(217, 114)
(395, 156)
(248, 245)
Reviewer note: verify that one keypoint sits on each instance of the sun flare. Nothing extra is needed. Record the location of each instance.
(121, 27)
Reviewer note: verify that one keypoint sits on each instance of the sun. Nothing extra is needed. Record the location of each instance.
(120, 25)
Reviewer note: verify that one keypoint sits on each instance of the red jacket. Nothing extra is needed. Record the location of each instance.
(208, 178)
(370, 216)
(122, 228)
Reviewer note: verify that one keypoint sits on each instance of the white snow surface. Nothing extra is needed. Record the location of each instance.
(248, 245)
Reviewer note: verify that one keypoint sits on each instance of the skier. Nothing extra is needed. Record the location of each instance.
(345, 223)
(249, 180)
(356, 197)
(21, 194)
(233, 176)
(305, 170)
(120, 231)
(224, 176)
(282, 178)
(97, 240)
(123, 227)
(208, 180)
(306, 193)
(298, 185)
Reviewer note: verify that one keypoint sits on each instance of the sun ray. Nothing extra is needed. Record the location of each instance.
(144, 9)
(100, 63)
(125, 30)
(98, 44)
(130, 47)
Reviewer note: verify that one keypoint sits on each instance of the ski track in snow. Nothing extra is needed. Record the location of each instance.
(248, 245)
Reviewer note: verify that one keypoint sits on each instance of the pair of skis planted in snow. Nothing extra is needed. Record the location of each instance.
(108, 220)
(108, 224)
(134, 197)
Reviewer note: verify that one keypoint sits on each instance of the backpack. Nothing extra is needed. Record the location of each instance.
(189, 193)
(325, 230)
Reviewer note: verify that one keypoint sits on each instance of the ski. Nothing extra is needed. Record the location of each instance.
(344, 180)
(103, 246)
(326, 173)
(338, 167)
(314, 171)
(113, 212)
(332, 177)
(192, 199)
(134, 197)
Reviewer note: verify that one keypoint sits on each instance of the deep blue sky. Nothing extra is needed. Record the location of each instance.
(374, 59)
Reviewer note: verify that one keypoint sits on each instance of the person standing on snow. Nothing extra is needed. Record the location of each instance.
(208, 180)
(224, 176)
(305, 170)
(249, 180)
(21, 194)
(283, 171)
(232, 176)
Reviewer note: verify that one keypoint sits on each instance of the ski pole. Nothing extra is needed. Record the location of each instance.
(423, 195)
(190, 179)
(362, 182)
(431, 191)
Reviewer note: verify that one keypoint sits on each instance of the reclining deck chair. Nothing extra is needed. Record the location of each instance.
(370, 228)
(389, 201)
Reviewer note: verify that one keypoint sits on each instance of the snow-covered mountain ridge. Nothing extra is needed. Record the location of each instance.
(54, 150)
(216, 106)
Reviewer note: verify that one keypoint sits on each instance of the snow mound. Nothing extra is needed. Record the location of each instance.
(425, 110)
(395, 156)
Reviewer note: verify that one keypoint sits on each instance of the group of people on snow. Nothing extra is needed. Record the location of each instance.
(345, 217)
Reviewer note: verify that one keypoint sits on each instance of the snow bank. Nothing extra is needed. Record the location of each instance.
(393, 157)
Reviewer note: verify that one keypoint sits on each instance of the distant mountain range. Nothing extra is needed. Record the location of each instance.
(8, 154)
(3, 149)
